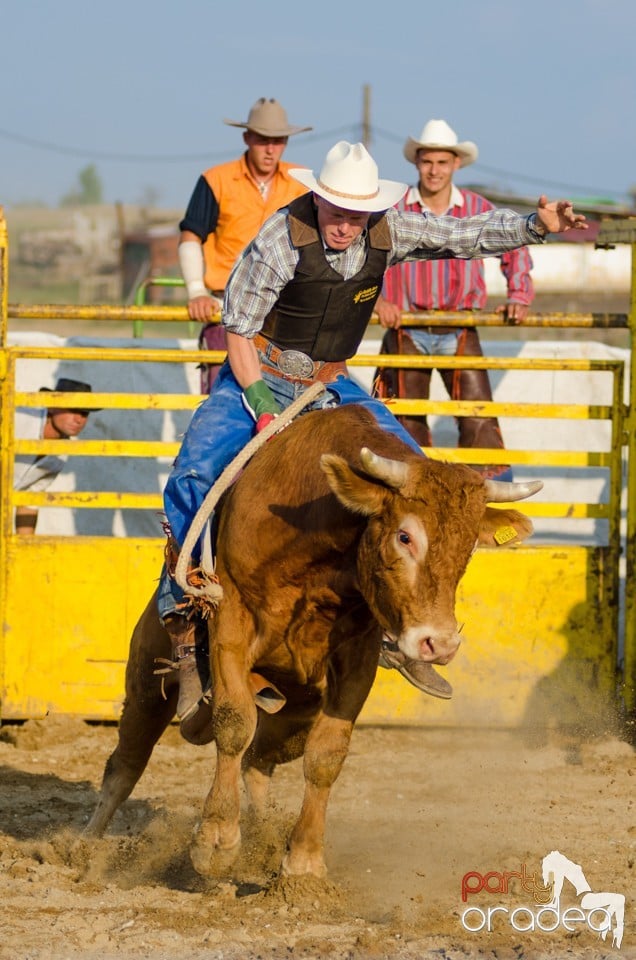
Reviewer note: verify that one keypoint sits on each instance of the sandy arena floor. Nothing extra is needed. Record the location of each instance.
(413, 812)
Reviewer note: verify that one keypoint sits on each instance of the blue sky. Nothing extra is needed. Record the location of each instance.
(140, 89)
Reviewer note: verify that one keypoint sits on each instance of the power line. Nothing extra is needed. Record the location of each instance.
(350, 129)
(140, 157)
(569, 187)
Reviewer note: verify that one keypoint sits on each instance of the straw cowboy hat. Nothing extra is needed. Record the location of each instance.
(349, 179)
(437, 135)
(268, 118)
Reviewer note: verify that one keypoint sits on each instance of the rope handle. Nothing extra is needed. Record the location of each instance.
(212, 590)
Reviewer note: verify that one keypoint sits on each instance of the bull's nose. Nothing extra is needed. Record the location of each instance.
(439, 650)
(429, 643)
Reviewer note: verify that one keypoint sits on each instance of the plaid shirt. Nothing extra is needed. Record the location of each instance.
(454, 284)
(270, 260)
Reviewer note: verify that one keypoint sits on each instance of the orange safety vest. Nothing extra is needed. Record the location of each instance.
(242, 212)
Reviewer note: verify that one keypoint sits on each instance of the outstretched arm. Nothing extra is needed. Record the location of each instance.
(417, 236)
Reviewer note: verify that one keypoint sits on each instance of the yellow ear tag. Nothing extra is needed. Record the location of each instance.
(505, 535)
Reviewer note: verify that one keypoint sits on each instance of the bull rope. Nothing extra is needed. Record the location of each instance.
(210, 589)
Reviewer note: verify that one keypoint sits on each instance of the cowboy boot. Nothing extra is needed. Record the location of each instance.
(182, 633)
(418, 672)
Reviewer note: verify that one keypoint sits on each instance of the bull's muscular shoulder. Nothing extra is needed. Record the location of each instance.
(345, 430)
(294, 455)
(285, 476)
(288, 472)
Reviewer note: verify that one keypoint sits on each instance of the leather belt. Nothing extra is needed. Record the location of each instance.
(298, 366)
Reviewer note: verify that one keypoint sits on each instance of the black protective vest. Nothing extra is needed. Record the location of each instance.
(318, 311)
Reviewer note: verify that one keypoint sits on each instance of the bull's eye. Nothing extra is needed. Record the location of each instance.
(410, 540)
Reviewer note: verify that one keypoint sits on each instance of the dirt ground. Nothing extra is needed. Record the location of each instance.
(413, 811)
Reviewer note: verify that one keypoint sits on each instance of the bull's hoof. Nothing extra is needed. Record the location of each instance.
(91, 831)
(96, 826)
(210, 857)
(83, 848)
(301, 864)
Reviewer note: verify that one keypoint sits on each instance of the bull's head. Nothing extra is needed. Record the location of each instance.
(424, 520)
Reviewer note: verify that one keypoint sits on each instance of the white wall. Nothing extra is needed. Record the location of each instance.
(562, 268)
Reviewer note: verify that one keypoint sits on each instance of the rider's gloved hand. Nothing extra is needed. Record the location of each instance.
(264, 420)
(261, 403)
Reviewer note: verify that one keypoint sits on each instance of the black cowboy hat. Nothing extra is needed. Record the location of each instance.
(66, 385)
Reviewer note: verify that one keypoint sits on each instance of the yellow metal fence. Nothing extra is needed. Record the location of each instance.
(532, 613)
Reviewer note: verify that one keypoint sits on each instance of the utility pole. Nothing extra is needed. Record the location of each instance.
(366, 115)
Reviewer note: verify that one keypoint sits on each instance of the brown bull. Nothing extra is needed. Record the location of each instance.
(335, 535)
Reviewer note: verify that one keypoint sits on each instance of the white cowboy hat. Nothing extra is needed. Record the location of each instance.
(349, 179)
(437, 135)
(268, 118)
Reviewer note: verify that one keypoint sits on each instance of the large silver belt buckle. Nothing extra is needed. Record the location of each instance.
(294, 363)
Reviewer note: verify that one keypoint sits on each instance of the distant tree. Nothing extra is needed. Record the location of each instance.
(88, 190)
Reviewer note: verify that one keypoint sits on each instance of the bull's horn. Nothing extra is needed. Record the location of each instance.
(391, 472)
(503, 491)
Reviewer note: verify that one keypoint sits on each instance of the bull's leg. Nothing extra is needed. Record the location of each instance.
(138, 733)
(217, 838)
(257, 778)
(147, 712)
(325, 752)
(350, 677)
(279, 738)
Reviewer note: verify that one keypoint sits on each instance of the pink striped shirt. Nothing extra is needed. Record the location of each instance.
(454, 284)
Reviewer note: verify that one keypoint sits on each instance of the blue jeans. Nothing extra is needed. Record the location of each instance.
(434, 344)
(220, 427)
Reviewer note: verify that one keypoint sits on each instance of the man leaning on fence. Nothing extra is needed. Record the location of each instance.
(37, 472)
(451, 285)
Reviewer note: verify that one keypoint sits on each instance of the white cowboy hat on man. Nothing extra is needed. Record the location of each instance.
(349, 179)
(437, 135)
(268, 118)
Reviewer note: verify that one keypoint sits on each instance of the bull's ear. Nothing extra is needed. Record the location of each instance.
(499, 528)
(353, 491)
